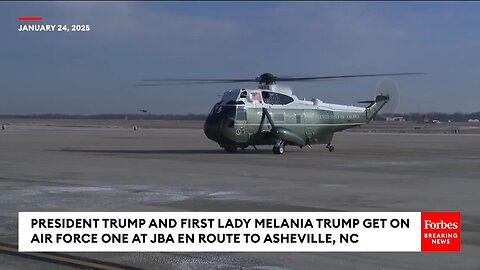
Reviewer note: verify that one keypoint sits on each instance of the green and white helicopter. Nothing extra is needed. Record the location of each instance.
(272, 115)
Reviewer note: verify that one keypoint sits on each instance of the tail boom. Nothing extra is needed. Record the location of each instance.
(376, 106)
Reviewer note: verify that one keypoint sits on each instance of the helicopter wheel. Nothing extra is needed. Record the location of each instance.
(330, 147)
(278, 149)
(230, 148)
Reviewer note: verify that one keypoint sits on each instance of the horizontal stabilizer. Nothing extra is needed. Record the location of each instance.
(366, 101)
(369, 102)
(382, 98)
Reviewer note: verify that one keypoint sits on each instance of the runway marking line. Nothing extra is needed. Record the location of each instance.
(58, 258)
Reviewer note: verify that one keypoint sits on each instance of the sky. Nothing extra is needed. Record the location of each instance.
(93, 72)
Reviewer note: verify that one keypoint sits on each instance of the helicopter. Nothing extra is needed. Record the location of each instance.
(272, 115)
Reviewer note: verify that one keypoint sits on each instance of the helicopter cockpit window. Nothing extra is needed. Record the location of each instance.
(231, 95)
(214, 109)
(276, 98)
(241, 114)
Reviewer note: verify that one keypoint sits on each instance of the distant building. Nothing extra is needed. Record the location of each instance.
(473, 121)
(395, 119)
(426, 119)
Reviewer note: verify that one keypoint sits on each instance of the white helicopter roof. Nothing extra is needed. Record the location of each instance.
(282, 97)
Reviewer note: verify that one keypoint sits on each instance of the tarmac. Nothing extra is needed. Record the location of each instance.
(91, 168)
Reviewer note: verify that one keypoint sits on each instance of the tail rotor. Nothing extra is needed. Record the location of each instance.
(389, 88)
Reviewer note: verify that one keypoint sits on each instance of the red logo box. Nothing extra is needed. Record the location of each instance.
(441, 231)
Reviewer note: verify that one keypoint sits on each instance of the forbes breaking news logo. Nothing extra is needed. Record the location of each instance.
(441, 231)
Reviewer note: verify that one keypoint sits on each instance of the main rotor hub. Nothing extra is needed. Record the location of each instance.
(266, 79)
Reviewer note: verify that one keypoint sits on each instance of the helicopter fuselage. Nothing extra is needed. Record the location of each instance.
(263, 117)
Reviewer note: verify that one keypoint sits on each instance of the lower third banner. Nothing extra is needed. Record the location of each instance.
(238, 231)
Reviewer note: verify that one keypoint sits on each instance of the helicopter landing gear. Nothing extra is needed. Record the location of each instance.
(279, 148)
(330, 147)
(230, 148)
(243, 146)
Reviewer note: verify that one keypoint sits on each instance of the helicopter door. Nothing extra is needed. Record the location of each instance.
(298, 121)
(257, 114)
(266, 127)
(309, 123)
(241, 115)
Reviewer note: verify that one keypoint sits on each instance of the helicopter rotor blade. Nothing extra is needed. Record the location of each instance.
(265, 78)
(160, 82)
(280, 79)
(198, 80)
(167, 83)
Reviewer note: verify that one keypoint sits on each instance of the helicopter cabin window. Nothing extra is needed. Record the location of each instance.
(278, 117)
(276, 98)
(241, 114)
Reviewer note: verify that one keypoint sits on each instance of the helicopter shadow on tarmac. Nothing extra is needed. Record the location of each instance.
(164, 151)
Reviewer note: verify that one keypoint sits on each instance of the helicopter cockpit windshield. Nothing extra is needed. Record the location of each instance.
(231, 95)
(230, 109)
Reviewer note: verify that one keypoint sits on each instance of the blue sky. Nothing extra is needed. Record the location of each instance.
(89, 73)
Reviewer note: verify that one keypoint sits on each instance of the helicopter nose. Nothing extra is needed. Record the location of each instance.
(216, 131)
(213, 133)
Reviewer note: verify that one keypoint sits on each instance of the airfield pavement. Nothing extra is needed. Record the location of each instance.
(91, 168)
